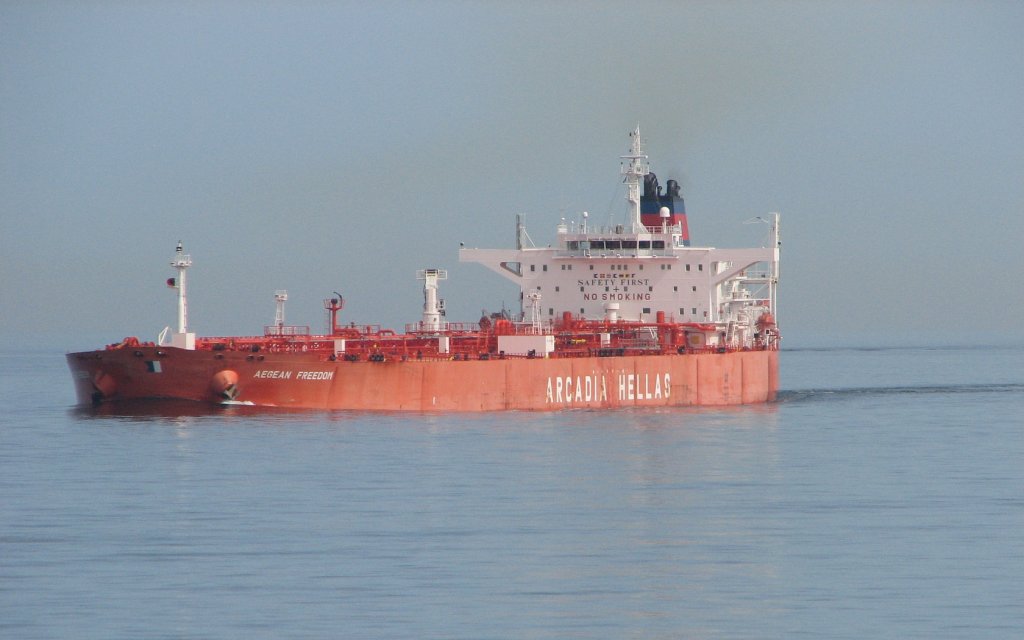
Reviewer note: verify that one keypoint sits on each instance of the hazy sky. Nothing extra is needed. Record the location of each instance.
(322, 146)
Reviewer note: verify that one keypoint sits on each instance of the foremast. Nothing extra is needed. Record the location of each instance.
(181, 261)
(183, 338)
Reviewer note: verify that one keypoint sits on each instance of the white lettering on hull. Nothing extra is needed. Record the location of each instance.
(578, 390)
(594, 388)
(277, 374)
(273, 374)
(315, 375)
(636, 386)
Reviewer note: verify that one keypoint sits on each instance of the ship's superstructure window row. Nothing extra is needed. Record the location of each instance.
(614, 245)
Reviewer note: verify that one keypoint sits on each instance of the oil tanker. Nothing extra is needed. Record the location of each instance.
(620, 315)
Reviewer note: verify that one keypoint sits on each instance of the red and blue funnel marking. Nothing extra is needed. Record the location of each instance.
(654, 200)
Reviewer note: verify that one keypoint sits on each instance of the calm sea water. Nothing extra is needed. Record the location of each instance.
(881, 497)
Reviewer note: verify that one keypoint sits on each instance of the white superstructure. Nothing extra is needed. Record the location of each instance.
(643, 272)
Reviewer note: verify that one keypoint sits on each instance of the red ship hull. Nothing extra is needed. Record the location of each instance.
(308, 380)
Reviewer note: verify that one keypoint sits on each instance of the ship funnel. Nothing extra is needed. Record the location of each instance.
(664, 211)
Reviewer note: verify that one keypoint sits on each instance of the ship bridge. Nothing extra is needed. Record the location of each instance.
(630, 275)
